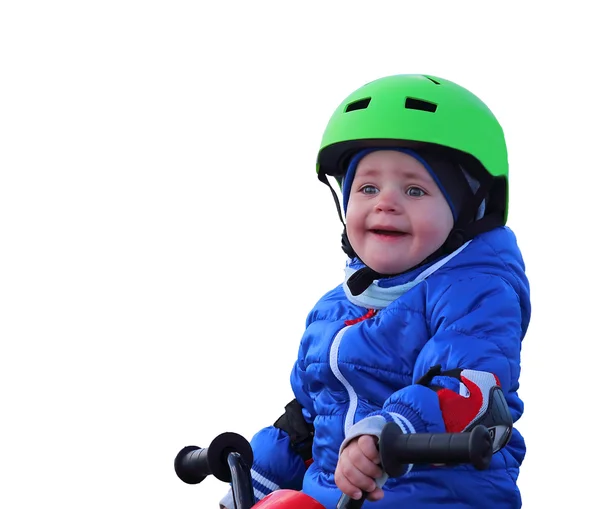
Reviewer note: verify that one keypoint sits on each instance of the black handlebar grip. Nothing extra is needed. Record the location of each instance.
(398, 449)
(346, 502)
(193, 464)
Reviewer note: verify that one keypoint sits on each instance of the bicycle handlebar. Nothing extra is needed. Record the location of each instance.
(397, 450)
(229, 458)
(193, 463)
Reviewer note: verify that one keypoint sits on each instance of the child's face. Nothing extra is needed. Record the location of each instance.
(397, 215)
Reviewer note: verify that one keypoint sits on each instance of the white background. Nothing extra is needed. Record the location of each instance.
(163, 234)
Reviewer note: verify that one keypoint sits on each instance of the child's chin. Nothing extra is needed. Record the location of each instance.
(388, 268)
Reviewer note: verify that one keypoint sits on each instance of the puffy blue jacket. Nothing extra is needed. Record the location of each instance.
(471, 311)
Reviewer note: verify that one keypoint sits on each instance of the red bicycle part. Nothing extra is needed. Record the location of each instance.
(288, 499)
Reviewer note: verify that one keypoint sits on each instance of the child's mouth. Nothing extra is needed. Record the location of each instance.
(391, 233)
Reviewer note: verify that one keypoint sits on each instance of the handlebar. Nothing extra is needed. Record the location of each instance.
(229, 458)
(193, 464)
(398, 450)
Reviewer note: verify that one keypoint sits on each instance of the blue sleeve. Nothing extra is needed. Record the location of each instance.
(276, 465)
(475, 324)
(301, 394)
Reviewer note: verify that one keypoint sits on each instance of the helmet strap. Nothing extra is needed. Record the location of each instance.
(323, 178)
(346, 247)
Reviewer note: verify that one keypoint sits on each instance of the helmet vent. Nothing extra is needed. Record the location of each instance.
(431, 79)
(361, 104)
(419, 104)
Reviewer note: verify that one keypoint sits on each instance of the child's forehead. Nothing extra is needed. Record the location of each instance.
(384, 161)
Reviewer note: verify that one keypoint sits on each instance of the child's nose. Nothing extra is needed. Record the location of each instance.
(389, 201)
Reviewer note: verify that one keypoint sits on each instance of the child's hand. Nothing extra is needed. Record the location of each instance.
(357, 467)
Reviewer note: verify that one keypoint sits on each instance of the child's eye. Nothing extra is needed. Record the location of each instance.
(415, 192)
(368, 189)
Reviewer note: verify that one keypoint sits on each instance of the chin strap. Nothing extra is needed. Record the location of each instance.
(362, 279)
(346, 246)
(323, 178)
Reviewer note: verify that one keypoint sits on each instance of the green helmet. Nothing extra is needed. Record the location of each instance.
(418, 111)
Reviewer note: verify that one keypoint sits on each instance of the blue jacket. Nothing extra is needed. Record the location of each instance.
(471, 312)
